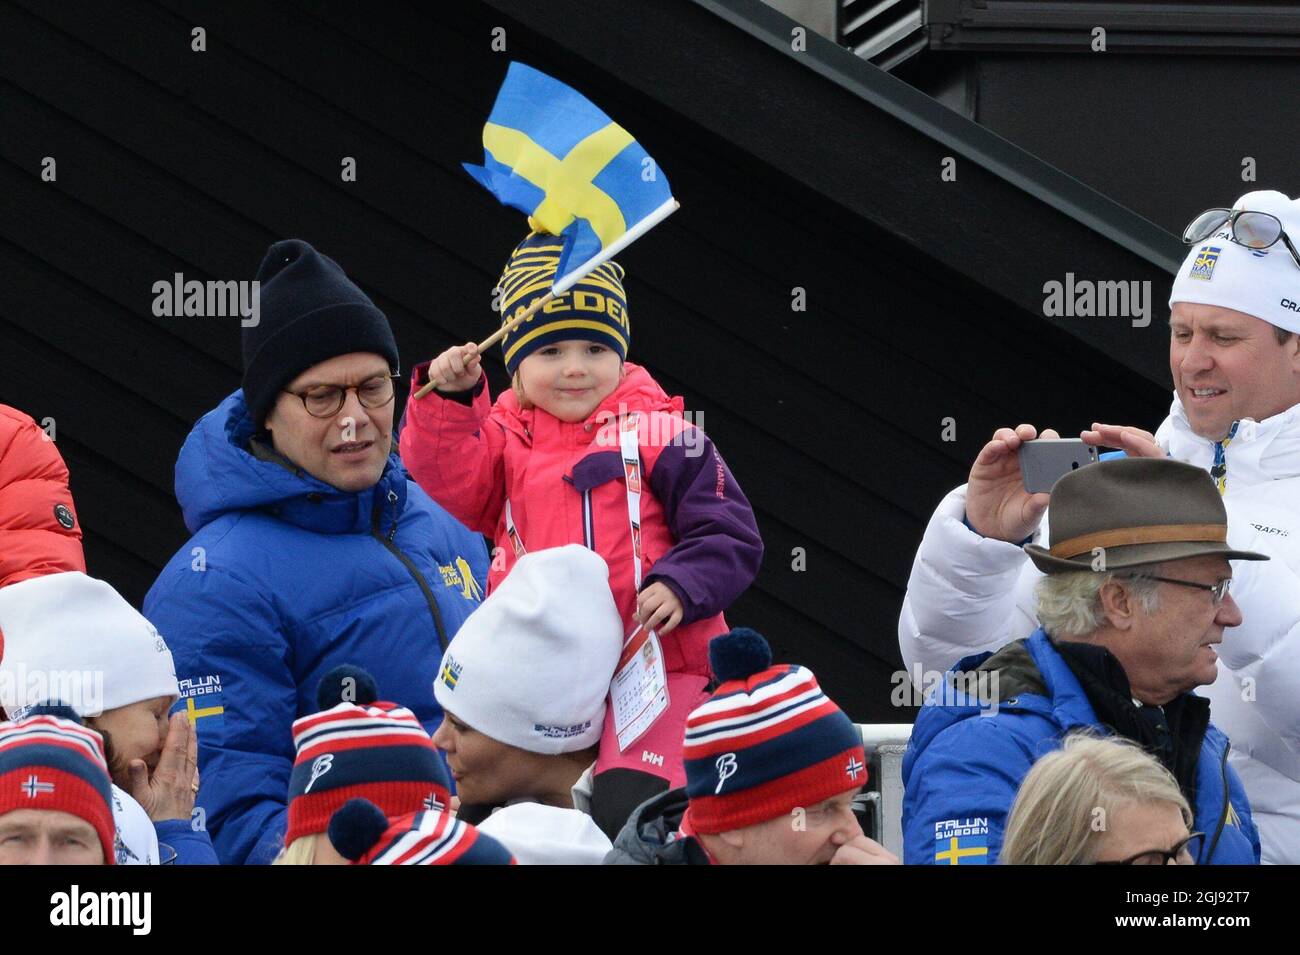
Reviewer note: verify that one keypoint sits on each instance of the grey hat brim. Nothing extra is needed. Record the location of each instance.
(1137, 555)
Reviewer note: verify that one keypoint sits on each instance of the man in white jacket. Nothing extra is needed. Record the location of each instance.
(1234, 355)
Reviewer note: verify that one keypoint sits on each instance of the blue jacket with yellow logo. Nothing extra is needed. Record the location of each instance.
(285, 578)
(962, 769)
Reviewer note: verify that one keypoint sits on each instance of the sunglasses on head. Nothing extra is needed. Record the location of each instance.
(1254, 230)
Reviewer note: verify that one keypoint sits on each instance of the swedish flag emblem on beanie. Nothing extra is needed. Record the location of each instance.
(594, 309)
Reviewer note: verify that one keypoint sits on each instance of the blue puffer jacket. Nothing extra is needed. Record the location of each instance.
(285, 578)
(961, 770)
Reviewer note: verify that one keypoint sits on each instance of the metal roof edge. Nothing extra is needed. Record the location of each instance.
(1023, 170)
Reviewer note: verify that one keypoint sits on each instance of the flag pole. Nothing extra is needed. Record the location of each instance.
(559, 288)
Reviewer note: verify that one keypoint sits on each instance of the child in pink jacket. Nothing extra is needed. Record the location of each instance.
(545, 466)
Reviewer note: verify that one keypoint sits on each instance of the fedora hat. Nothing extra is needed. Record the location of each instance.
(1138, 511)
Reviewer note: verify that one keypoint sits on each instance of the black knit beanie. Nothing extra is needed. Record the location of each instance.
(310, 312)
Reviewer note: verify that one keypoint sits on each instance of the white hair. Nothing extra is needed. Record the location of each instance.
(1069, 604)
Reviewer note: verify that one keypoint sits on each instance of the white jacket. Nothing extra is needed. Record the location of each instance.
(549, 835)
(136, 839)
(968, 594)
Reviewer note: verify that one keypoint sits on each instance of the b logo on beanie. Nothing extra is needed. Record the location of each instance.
(594, 309)
(365, 747)
(767, 741)
(726, 764)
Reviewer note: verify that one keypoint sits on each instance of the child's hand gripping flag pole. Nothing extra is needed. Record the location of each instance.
(550, 152)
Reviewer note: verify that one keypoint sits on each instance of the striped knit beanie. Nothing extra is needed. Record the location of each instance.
(54, 763)
(594, 309)
(369, 749)
(768, 740)
(363, 834)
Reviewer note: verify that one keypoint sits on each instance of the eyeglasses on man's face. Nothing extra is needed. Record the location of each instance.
(1218, 591)
(325, 401)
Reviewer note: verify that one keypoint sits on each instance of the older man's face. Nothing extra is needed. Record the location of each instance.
(1228, 365)
(349, 449)
(48, 837)
(1171, 650)
(801, 838)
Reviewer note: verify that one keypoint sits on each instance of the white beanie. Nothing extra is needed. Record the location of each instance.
(1260, 282)
(531, 666)
(69, 638)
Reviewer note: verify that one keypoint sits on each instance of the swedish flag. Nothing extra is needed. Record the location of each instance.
(551, 153)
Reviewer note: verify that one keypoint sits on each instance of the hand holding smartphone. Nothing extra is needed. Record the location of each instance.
(1044, 461)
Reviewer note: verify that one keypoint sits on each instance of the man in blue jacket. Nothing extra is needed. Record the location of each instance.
(1135, 597)
(311, 547)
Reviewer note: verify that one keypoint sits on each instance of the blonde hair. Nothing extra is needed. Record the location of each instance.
(302, 851)
(517, 384)
(1069, 604)
(1054, 820)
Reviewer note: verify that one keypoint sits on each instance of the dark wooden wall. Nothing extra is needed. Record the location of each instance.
(175, 161)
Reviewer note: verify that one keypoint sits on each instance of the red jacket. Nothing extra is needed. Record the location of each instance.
(39, 530)
(566, 485)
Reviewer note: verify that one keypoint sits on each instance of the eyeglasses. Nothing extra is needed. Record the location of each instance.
(1184, 853)
(324, 401)
(1254, 230)
(1217, 591)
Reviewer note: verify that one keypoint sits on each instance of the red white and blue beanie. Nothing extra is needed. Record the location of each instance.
(369, 749)
(54, 763)
(364, 835)
(767, 742)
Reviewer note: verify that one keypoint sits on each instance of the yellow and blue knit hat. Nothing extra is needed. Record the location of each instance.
(594, 309)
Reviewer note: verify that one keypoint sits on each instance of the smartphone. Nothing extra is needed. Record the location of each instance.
(1045, 461)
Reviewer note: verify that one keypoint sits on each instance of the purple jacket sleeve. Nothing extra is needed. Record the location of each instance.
(718, 549)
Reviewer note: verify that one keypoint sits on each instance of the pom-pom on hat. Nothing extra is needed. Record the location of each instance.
(368, 748)
(50, 761)
(594, 309)
(768, 740)
(346, 684)
(361, 833)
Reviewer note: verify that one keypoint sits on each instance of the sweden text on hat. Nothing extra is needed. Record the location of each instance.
(594, 309)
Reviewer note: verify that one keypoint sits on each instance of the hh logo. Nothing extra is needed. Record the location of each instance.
(654, 759)
(460, 576)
